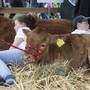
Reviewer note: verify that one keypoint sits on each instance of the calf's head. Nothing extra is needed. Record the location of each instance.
(38, 41)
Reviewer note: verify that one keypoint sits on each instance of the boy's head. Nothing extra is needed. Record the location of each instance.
(81, 22)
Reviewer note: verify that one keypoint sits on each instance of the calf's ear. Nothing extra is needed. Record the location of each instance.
(26, 32)
(59, 40)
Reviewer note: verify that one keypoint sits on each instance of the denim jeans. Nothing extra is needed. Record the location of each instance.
(12, 56)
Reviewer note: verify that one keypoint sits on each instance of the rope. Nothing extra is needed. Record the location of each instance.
(35, 55)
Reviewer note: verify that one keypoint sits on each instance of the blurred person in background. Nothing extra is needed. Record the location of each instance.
(82, 8)
(67, 9)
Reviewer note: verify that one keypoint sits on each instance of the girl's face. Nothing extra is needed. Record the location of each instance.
(18, 25)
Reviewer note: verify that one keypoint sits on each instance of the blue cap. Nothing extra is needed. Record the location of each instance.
(79, 19)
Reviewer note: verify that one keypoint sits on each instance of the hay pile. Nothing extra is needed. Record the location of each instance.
(49, 77)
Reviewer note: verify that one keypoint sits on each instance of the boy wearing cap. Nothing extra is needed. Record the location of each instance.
(81, 25)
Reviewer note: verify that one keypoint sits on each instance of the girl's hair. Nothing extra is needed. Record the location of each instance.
(29, 20)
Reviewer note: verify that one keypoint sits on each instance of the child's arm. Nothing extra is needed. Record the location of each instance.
(17, 42)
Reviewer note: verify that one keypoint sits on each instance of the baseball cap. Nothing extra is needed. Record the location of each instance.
(79, 19)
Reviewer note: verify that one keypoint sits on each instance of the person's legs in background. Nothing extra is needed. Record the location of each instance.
(67, 10)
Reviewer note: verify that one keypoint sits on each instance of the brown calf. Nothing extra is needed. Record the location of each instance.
(7, 32)
(75, 50)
